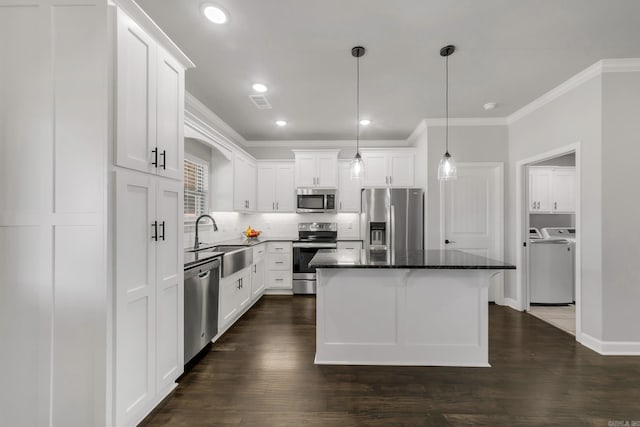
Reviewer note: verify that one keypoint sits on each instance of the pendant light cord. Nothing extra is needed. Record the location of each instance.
(446, 138)
(358, 105)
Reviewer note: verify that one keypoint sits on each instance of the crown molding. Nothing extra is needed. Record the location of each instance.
(470, 121)
(197, 109)
(419, 130)
(622, 65)
(135, 12)
(320, 144)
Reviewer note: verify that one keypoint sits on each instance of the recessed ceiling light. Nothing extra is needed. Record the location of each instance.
(259, 87)
(281, 123)
(365, 122)
(489, 106)
(214, 14)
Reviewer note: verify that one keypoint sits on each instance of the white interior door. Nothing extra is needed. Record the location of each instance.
(472, 212)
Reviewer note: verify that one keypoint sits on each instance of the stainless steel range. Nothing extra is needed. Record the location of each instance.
(312, 236)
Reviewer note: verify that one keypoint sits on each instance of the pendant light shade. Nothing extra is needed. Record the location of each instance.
(447, 168)
(357, 165)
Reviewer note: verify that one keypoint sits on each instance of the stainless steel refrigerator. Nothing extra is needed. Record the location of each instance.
(393, 219)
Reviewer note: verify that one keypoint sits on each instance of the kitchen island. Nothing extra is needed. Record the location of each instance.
(421, 308)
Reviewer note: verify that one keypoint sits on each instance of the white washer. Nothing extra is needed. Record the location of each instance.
(551, 274)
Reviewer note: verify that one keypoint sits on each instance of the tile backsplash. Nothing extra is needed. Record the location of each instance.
(232, 224)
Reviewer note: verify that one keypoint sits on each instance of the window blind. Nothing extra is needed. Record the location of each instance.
(196, 187)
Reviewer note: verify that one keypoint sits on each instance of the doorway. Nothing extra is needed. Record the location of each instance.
(472, 216)
(548, 235)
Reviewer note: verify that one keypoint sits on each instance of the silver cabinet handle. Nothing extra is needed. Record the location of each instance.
(390, 179)
(386, 180)
(279, 280)
(447, 241)
(277, 206)
(533, 205)
(555, 205)
(318, 180)
(340, 204)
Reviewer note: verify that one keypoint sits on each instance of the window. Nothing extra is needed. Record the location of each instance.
(196, 187)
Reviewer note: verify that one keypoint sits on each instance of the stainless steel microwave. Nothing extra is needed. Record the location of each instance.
(314, 200)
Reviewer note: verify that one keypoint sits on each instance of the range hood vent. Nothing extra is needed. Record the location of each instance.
(260, 101)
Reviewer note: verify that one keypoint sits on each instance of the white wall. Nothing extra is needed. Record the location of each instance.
(466, 144)
(621, 207)
(574, 116)
(53, 171)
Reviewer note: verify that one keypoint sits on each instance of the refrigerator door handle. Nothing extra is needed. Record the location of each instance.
(393, 228)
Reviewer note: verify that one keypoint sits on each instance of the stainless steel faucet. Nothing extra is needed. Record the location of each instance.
(196, 244)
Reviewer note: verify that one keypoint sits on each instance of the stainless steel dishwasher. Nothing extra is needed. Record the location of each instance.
(201, 289)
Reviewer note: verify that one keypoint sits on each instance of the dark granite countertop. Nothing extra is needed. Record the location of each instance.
(424, 259)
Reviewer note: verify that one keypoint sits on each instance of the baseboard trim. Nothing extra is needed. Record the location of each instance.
(610, 348)
(510, 302)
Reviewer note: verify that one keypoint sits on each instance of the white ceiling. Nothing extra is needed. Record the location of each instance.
(509, 52)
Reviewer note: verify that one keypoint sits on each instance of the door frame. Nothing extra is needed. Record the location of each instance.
(522, 302)
(498, 237)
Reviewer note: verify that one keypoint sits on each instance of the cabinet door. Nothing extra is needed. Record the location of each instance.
(266, 188)
(348, 189)
(250, 185)
(240, 183)
(135, 294)
(401, 170)
(258, 279)
(306, 168)
(170, 116)
(228, 306)
(541, 189)
(169, 279)
(285, 188)
(327, 171)
(135, 97)
(564, 190)
(375, 170)
(244, 293)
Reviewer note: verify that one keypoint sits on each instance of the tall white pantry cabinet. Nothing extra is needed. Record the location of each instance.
(91, 197)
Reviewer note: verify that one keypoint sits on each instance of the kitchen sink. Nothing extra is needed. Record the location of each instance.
(235, 258)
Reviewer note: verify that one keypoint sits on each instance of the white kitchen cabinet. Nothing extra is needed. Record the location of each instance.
(552, 189)
(150, 103)
(351, 246)
(258, 277)
(348, 189)
(275, 187)
(316, 168)
(279, 266)
(235, 295)
(244, 184)
(149, 289)
(388, 168)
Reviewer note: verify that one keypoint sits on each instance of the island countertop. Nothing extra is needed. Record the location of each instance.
(418, 259)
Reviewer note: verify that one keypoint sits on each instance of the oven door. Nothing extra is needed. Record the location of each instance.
(303, 253)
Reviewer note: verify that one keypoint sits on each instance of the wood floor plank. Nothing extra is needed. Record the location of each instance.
(261, 373)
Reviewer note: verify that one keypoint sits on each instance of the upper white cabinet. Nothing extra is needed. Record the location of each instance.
(388, 168)
(244, 184)
(316, 168)
(149, 103)
(348, 189)
(276, 187)
(552, 189)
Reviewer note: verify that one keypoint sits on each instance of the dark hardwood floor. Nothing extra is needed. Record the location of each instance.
(261, 373)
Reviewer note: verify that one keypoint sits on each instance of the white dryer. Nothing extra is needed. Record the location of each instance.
(551, 276)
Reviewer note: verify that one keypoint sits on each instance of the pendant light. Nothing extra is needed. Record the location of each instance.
(357, 165)
(447, 169)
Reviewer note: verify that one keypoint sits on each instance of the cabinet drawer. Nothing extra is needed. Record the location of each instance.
(279, 280)
(259, 252)
(350, 246)
(279, 262)
(279, 248)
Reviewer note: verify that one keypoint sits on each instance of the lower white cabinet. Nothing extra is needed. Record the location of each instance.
(148, 291)
(279, 266)
(235, 294)
(258, 277)
(351, 246)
